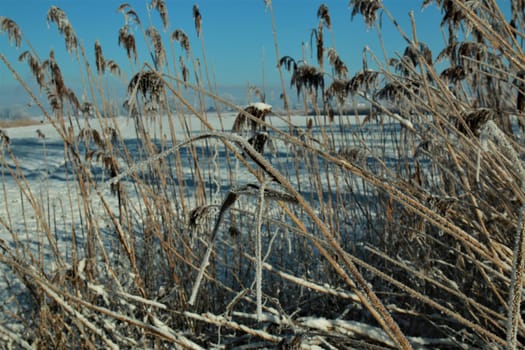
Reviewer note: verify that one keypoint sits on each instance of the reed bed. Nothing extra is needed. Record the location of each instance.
(401, 228)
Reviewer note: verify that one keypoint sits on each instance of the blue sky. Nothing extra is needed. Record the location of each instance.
(237, 35)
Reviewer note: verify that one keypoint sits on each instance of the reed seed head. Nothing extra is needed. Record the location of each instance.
(12, 29)
(453, 74)
(339, 66)
(149, 84)
(160, 6)
(130, 16)
(184, 70)
(319, 43)
(180, 36)
(159, 55)
(36, 69)
(258, 141)
(309, 77)
(474, 120)
(60, 89)
(197, 17)
(288, 63)
(127, 40)
(367, 9)
(4, 139)
(58, 16)
(99, 58)
(324, 15)
(113, 67)
(258, 110)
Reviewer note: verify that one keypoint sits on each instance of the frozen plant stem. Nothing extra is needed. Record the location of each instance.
(258, 251)
(518, 264)
(200, 275)
(491, 133)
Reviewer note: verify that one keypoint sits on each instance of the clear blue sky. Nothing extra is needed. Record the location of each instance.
(237, 35)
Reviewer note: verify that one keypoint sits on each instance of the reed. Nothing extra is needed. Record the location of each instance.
(398, 228)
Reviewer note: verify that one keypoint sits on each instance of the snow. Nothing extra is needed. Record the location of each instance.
(261, 106)
(41, 173)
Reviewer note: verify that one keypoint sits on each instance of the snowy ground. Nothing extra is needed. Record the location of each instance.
(39, 178)
(42, 169)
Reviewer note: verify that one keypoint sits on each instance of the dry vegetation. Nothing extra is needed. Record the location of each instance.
(15, 123)
(405, 231)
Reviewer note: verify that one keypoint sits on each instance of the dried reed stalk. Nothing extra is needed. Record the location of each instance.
(13, 338)
(222, 321)
(516, 285)
(258, 249)
(228, 201)
(491, 133)
(427, 101)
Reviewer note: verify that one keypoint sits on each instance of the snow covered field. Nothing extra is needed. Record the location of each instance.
(42, 169)
(44, 207)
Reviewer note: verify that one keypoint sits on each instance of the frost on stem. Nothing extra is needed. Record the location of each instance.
(491, 133)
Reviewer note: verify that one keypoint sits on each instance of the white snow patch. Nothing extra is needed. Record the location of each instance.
(99, 290)
(261, 106)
